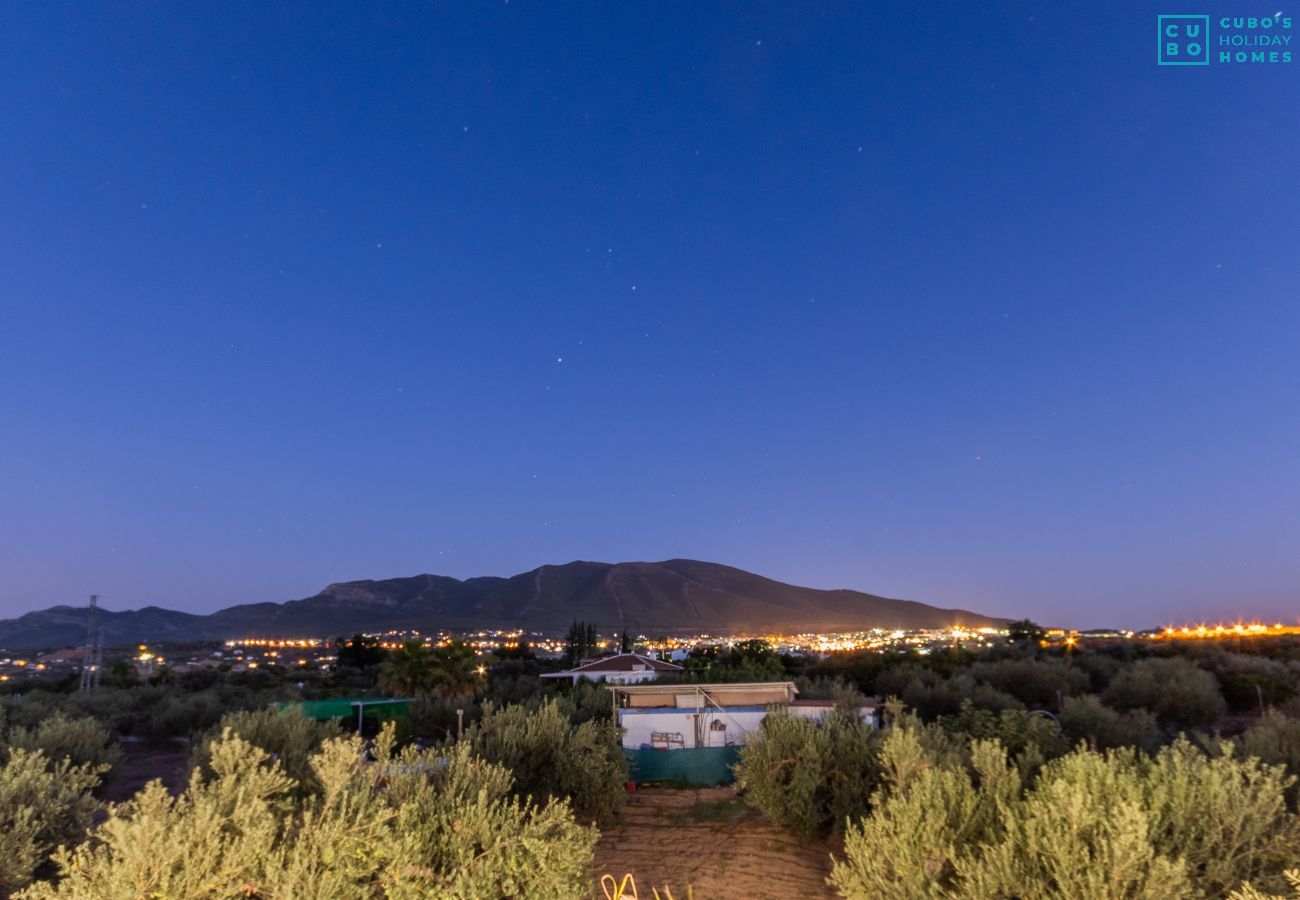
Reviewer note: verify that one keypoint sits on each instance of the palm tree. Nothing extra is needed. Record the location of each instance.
(456, 670)
(408, 671)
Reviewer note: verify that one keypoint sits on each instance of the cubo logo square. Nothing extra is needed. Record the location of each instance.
(1183, 40)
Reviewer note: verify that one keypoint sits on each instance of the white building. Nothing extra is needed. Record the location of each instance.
(694, 716)
(621, 668)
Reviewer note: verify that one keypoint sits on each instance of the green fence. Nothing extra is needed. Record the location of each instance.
(366, 713)
(346, 707)
(702, 765)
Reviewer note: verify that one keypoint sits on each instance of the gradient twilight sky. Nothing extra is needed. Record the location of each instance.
(968, 303)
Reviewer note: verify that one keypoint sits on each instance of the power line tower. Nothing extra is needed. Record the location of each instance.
(93, 656)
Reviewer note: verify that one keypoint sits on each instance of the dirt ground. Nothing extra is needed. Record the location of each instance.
(140, 764)
(709, 840)
(705, 838)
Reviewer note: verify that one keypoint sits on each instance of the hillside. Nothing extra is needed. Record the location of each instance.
(674, 596)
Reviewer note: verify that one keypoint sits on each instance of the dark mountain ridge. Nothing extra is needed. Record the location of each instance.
(676, 596)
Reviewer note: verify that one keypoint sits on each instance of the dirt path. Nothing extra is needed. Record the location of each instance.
(140, 764)
(709, 840)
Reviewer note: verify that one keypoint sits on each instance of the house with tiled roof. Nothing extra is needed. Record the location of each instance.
(620, 668)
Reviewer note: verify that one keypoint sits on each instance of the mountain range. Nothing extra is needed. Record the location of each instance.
(677, 596)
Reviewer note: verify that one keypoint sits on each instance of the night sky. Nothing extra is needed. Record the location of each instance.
(966, 303)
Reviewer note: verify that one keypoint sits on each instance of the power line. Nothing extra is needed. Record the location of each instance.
(93, 657)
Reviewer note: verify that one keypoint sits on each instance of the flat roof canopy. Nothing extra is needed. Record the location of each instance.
(749, 693)
(691, 686)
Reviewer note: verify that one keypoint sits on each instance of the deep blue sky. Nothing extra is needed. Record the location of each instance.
(968, 303)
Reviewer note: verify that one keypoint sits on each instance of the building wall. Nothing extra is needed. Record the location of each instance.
(619, 677)
(819, 713)
(632, 677)
(730, 727)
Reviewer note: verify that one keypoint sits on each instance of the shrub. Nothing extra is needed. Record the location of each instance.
(475, 840)
(1021, 733)
(1034, 682)
(550, 757)
(1225, 816)
(585, 701)
(1099, 668)
(1092, 825)
(924, 815)
(1249, 892)
(843, 693)
(81, 741)
(433, 716)
(1275, 738)
(931, 694)
(146, 711)
(514, 681)
(1254, 683)
(427, 827)
(1081, 832)
(1179, 692)
(43, 803)
(180, 714)
(808, 776)
(198, 679)
(286, 734)
(1087, 719)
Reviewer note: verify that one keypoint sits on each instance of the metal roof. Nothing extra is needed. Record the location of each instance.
(703, 686)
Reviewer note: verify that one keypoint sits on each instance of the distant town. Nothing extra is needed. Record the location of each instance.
(318, 654)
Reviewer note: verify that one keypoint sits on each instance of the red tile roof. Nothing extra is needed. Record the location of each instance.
(626, 662)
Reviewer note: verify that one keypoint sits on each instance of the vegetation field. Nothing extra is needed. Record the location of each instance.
(1118, 770)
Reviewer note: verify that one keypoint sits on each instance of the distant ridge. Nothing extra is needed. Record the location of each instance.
(677, 596)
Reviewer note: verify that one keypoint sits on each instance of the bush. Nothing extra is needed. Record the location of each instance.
(180, 714)
(1087, 719)
(1035, 682)
(1184, 823)
(43, 803)
(428, 827)
(477, 841)
(433, 716)
(286, 734)
(80, 741)
(1254, 683)
(1035, 738)
(585, 701)
(1099, 668)
(146, 711)
(1225, 816)
(110, 707)
(1178, 692)
(924, 815)
(1249, 892)
(550, 757)
(1081, 832)
(808, 776)
(514, 681)
(1275, 738)
(842, 692)
(932, 695)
